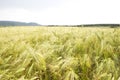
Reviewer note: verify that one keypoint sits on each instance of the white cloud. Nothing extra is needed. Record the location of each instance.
(16, 15)
(70, 12)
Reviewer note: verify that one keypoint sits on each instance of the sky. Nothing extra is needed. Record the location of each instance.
(61, 12)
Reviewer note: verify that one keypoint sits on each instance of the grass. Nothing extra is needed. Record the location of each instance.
(59, 53)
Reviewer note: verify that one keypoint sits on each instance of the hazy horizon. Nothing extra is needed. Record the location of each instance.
(61, 12)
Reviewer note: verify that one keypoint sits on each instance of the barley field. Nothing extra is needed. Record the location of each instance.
(59, 53)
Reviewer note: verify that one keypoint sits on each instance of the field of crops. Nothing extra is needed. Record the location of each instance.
(59, 53)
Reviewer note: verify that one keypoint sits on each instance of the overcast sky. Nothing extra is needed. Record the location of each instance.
(61, 11)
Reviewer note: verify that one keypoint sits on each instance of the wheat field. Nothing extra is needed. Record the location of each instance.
(59, 53)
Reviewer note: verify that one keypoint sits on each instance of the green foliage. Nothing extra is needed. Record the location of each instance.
(59, 53)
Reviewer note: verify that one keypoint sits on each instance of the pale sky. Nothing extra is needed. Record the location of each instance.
(61, 12)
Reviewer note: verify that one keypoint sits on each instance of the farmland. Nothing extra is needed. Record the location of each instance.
(59, 53)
